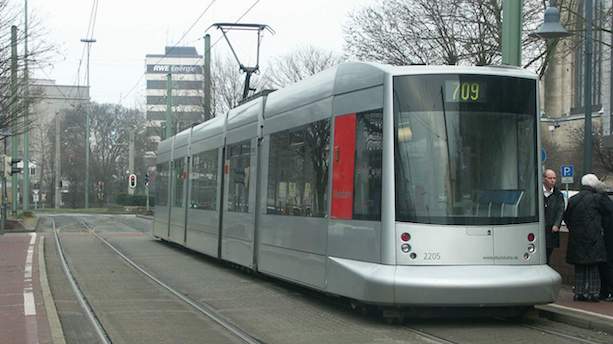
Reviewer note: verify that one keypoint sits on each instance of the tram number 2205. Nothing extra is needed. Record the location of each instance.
(432, 256)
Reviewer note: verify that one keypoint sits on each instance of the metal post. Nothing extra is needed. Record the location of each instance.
(58, 169)
(147, 196)
(131, 158)
(207, 77)
(169, 124)
(26, 133)
(87, 113)
(13, 105)
(511, 32)
(587, 134)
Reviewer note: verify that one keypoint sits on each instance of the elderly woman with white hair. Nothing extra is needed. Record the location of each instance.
(586, 247)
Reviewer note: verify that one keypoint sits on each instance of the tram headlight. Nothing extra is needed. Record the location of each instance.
(531, 248)
(405, 248)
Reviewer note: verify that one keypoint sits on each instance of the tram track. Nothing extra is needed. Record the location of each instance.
(426, 334)
(103, 336)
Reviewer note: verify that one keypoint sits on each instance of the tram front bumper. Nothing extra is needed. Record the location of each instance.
(448, 285)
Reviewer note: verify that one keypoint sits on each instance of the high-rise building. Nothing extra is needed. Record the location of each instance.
(184, 66)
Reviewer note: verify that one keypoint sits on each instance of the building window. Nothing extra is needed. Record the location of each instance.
(597, 39)
(204, 180)
(238, 163)
(298, 171)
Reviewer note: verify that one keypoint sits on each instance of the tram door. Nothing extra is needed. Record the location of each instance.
(178, 199)
(238, 220)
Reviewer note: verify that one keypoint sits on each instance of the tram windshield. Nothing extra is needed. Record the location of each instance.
(465, 149)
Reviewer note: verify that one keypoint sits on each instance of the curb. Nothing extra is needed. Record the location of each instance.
(55, 326)
(146, 217)
(576, 317)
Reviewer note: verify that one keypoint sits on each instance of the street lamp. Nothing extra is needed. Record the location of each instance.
(552, 29)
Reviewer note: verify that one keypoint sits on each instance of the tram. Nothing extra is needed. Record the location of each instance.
(393, 186)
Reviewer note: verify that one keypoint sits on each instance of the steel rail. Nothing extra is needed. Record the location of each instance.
(85, 305)
(203, 308)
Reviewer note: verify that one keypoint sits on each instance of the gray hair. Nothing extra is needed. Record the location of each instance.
(592, 181)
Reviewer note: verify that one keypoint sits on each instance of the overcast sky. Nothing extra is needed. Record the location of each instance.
(128, 30)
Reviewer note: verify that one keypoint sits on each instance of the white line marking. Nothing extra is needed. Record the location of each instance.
(29, 306)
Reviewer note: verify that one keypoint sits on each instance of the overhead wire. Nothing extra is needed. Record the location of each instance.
(176, 44)
(186, 33)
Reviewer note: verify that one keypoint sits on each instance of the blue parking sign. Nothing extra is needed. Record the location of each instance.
(567, 170)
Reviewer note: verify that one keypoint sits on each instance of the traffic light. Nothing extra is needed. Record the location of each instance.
(132, 181)
(147, 179)
(14, 168)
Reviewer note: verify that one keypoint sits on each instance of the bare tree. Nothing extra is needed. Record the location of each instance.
(110, 127)
(227, 84)
(297, 65)
(403, 32)
(13, 102)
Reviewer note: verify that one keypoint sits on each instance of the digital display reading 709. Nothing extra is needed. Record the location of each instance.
(465, 91)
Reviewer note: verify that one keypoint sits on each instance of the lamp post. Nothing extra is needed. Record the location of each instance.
(552, 29)
(87, 41)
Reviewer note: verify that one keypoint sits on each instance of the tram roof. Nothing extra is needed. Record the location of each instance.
(340, 79)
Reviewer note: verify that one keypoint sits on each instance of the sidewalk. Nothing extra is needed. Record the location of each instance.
(23, 317)
(591, 315)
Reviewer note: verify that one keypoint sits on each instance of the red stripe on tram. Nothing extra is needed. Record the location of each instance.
(343, 162)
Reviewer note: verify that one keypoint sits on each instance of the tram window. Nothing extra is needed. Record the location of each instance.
(180, 174)
(161, 182)
(239, 160)
(298, 171)
(368, 163)
(204, 180)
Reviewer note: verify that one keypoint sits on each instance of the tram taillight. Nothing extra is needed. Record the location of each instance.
(405, 236)
(531, 237)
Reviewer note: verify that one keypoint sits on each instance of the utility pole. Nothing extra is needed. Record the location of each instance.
(87, 41)
(587, 90)
(58, 169)
(26, 133)
(207, 77)
(131, 158)
(169, 122)
(13, 105)
(511, 32)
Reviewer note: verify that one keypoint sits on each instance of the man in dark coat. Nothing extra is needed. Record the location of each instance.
(606, 269)
(586, 247)
(554, 209)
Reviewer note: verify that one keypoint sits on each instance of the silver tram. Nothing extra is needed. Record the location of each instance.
(402, 186)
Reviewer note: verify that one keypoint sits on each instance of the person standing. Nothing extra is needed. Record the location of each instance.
(606, 269)
(586, 247)
(554, 209)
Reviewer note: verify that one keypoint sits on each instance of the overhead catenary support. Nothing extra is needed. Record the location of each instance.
(26, 133)
(14, 109)
(87, 41)
(249, 70)
(169, 122)
(511, 32)
(207, 77)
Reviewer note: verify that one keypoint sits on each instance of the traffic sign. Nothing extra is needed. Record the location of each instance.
(543, 155)
(567, 172)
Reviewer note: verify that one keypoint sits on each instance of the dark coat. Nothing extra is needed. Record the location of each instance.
(583, 217)
(607, 224)
(554, 209)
